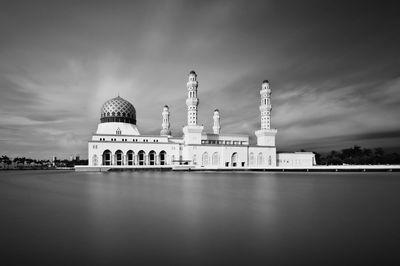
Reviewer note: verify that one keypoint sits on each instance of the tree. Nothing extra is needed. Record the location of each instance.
(6, 160)
(357, 155)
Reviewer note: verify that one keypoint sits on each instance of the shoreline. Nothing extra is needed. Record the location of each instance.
(192, 168)
(189, 168)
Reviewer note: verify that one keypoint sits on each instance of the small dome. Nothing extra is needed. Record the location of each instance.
(265, 81)
(192, 72)
(118, 110)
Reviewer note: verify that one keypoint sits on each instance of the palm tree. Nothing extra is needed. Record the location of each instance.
(6, 160)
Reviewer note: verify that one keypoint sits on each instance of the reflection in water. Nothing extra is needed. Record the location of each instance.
(198, 218)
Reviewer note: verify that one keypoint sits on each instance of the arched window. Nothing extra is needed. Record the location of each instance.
(113, 113)
(251, 159)
(152, 157)
(259, 159)
(194, 159)
(119, 157)
(215, 159)
(130, 156)
(269, 160)
(107, 157)
(141, 155)
(204, 159)
(234, 159)
(163, 158)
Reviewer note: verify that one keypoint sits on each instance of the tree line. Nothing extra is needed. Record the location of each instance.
(23, 162)
(357, 155)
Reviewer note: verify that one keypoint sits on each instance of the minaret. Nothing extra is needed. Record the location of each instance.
(216, 126)
(192, 132)
(266, 135)
(192, 101)
(265, 106)
(165, 122)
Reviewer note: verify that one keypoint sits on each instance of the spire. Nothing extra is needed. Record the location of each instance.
(216, 126)
(266, 135)
(165, 123)
(192, 131)
(265, 106)
(192, 101)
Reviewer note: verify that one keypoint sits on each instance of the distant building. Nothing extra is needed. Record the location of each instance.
(117, 140)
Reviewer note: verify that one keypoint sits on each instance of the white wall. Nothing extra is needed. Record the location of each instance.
(297, 159)
(224, 155)
(268, 158)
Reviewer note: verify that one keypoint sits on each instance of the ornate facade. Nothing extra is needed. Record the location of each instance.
(117, 141)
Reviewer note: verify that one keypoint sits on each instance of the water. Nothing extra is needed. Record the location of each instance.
(186, 218)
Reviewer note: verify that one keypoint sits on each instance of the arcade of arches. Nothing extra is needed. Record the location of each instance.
(153, 158)
(131, 158)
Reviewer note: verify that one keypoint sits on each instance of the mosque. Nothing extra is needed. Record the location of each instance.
(118, 143)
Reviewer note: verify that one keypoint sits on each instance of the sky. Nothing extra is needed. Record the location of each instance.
(333, 67)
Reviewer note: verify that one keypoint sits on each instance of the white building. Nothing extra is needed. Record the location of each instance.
(118, 142)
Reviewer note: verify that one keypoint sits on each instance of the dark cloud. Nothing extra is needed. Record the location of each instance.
(394, 134)
(333, 66)
(367, 140)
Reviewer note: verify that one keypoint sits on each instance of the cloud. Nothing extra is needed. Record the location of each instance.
(336, 113)
(334, 81)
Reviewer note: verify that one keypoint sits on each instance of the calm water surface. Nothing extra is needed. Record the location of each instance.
(186, 218)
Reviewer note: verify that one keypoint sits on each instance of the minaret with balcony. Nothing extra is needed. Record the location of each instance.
(216, 126)
(165, 122)
(192, 101)
(192, 131)
(266, 135)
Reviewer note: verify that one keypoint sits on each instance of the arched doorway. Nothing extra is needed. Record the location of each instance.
(204, 159)
(259, 159)
(130, 157)
(215, 159)
(152, 157)
(234, 159)
(118, 157)
(163, 158)
(107, 157)
(141, 159)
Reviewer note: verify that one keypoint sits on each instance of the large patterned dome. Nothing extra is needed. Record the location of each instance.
(118, 110)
